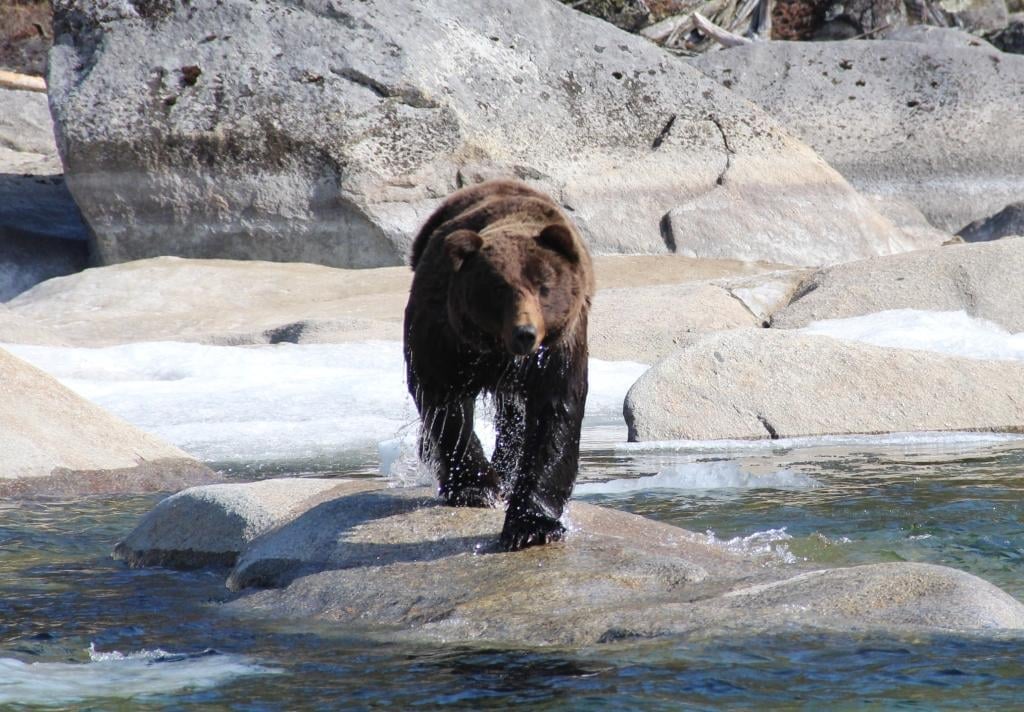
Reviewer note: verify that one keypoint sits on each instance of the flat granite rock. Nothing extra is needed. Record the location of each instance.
(56, 442)
(773, 383)
(396, 562)
(644, 303)
(983, 279)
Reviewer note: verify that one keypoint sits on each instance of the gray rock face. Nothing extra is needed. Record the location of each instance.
(41, 231)
(767, 383)
(54, 441)
(1007, 222)
(947, 37)
(320, 133)
(397, 561)
(982, 279)
(976, 15)
(940, 127)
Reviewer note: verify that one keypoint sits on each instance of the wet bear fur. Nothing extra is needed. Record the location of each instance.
(501, 289)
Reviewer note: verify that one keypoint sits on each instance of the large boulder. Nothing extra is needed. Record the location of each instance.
(939, 126)
(41, 231)
(313, 132)
(55, 442)
(396, 561)
(982, 279)
(768, 383)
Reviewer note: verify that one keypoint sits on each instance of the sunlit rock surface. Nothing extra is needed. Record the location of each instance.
(398, 562)
(770, 383)
(644, 304)
(220, 302)
(256, 142)
(54, 441)
(982, 279)
(939, 126)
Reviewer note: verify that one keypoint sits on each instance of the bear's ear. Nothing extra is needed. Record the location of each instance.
(558, 238)
(461, 244)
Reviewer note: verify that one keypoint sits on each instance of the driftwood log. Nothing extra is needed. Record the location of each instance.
(24, 82)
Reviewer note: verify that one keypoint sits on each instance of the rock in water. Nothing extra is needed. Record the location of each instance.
(771, 383)
(326, 132)
(397, 561)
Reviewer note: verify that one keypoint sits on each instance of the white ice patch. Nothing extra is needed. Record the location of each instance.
(119, 676)
(609, 383)
(954, 441)
(286, 402)
(701, 476)
(953, 333)
(308, 405)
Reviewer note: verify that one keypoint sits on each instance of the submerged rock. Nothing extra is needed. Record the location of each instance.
(398, 562)
(770, 383)
(55, 442)
(219, 143)
(981, 279)
(938, 126)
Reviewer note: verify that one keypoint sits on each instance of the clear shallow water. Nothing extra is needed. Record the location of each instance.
(951, 503)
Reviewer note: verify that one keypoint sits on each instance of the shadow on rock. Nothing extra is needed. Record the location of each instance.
(361, 530)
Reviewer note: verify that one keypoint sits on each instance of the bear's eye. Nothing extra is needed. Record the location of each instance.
(544, 290)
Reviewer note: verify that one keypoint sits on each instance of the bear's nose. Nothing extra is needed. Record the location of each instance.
(523, 340)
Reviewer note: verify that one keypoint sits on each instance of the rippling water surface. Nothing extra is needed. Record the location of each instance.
(80, 631)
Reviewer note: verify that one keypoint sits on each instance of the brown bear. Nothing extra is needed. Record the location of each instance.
(501, 289)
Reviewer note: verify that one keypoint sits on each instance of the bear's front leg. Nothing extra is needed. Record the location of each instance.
(555, 400)
(447, 440)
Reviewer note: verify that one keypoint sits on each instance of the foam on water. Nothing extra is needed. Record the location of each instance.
(953, 333)
(114, 675)
(282, 403)
(700, 476)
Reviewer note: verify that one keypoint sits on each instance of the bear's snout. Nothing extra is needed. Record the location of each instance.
(524, 331)
(523, 340)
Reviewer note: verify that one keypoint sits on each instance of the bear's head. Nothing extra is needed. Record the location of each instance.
(517, 287)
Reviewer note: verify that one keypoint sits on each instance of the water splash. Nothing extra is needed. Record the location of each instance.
(769, 545)
(700, 476)
(121, 676)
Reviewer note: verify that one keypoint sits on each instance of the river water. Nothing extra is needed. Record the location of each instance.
(80, 631)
